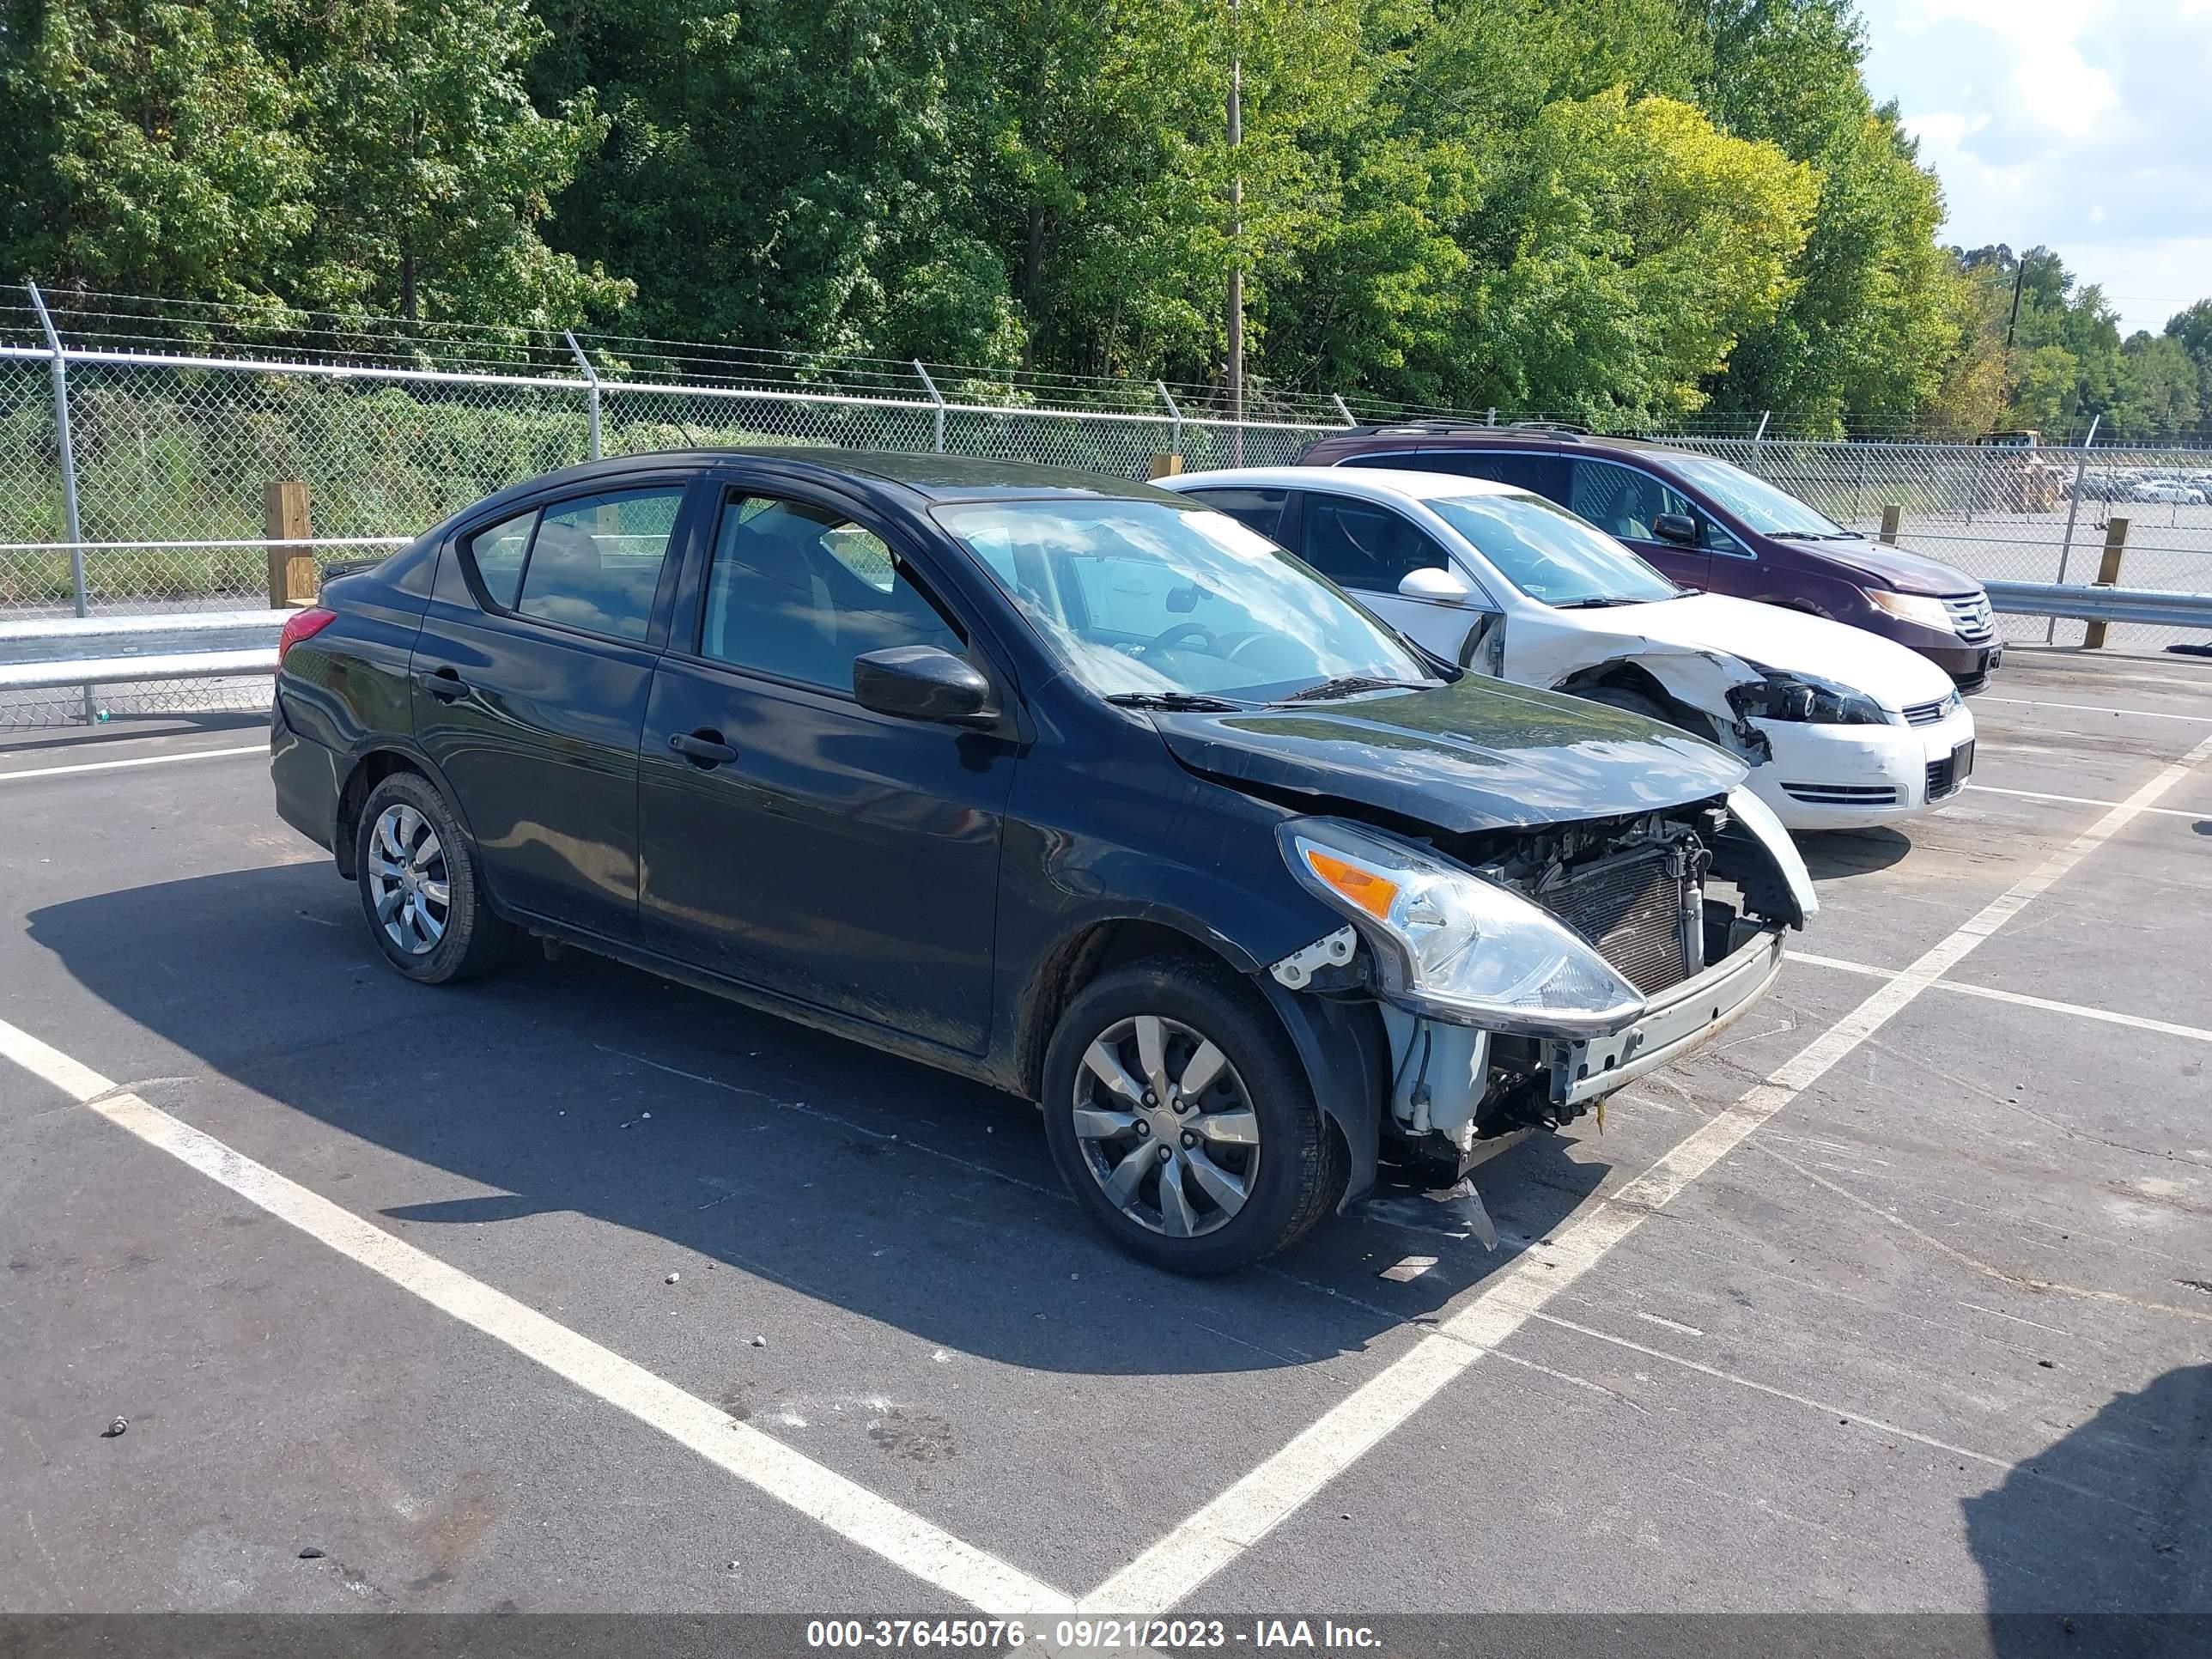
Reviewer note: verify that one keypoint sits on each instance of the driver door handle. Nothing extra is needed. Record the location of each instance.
(446, 685)
(705, 747)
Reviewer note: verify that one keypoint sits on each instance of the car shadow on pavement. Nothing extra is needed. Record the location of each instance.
(1838, 853)
(2101, 1543)
(905, 1194)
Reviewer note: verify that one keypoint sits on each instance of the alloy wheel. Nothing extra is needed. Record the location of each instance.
(1165, 1126)
(407, 880)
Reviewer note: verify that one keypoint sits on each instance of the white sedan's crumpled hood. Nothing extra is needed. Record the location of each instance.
(1788, 641)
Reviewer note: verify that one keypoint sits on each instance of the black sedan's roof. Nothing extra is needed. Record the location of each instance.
(936, 478)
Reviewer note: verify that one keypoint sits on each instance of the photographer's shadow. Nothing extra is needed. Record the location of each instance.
(2102, 1545)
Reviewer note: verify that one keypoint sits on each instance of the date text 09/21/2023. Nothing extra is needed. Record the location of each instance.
(1098, 1635)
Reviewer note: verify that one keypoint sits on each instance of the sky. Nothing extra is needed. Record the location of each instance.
(2083, 126)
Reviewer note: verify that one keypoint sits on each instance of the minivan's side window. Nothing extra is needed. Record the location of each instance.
(1261, 509)
(1537, 472)
(799, 590)
(1358, 544)
(497, 551)
(1621, 500)
(595, 563)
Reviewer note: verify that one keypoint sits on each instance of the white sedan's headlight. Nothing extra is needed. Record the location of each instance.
(1450, 945)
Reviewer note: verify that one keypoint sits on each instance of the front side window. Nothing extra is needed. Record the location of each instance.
(1621, 500)
(799, 591)
(1144, 597)
(1551, 554)
(1769, 511)
(595, 563)
(1367, 548)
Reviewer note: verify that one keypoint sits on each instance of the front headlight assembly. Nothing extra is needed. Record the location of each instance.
(1921, 608)
(1805, 697)
(1454, 946)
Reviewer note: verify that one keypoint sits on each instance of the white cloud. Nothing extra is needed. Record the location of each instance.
(2085, 126)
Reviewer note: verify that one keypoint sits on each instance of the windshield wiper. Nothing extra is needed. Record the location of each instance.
(1345, 685)
(1185, 702)
(1818, 535)
(1601, 604)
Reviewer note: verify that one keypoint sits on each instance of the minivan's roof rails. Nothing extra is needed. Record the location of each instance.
(1441, 425)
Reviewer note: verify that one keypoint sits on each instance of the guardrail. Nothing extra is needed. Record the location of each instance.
(2101, 603)
(48, 652)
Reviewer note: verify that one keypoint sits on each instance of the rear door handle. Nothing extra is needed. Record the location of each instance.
(704, 746)
(446, 685)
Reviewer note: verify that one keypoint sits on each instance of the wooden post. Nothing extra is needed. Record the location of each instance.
(293, 577)
(1893, 517)
(1164, 466)
(2108, 575)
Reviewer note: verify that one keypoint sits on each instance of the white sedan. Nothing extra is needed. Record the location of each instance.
(1842, 729)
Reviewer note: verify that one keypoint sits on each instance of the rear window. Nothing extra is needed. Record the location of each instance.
(497, 553)
(595, 563)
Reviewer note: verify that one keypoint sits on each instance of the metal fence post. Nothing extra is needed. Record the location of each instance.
(936, 398)
(1760, 437)
(1175, 419)
(1337, 398)
(2073, 512)
(591, 386)
(58, 369)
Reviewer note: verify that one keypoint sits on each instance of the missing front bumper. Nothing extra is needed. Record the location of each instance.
(1674, 1021)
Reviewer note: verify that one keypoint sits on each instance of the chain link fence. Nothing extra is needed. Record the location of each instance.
(172, 452)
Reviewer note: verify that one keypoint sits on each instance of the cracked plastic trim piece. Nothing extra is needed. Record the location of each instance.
(1296, 971)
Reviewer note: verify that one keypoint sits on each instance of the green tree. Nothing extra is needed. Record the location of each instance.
(437, 170)
(150, 149)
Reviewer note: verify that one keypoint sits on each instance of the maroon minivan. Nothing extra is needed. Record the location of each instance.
(1707, 525)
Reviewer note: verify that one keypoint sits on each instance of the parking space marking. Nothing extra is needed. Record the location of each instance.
(2079, 800)
(2096, 708)
(141, 759)
(843, 1506)
(1989, 993)
(1160, 1578)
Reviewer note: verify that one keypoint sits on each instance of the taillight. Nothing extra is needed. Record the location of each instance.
(302, 625)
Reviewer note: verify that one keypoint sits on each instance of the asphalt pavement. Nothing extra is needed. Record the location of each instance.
(574, 1290)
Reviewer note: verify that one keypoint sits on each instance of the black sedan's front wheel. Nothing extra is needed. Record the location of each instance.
(419, 889)
(1182, 1121)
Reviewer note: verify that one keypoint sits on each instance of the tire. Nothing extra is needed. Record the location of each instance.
(1269, 1139)
(428, 942)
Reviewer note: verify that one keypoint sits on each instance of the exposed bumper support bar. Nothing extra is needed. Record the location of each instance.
(1676, 1021)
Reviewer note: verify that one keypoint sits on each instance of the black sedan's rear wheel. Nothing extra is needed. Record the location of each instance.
(419, 889)
(1183, 1122)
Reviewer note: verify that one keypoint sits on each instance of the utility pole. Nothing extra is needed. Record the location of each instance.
(1236, 237)
(2019, 276)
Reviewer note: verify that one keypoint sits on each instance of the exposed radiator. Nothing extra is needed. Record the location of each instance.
(1637, 909)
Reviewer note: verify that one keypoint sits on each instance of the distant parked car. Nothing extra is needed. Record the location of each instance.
(1708, 524)
(2168, 489)
(1841, 729)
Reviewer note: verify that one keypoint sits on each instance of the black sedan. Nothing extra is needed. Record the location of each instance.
(1069, 785)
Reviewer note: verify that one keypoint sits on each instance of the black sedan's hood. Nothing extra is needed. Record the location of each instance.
(1472, 756)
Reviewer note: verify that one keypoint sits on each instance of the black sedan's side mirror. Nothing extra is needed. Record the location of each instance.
(1677, 527)
(922, 683)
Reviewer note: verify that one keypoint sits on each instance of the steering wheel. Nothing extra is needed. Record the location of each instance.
(1169, 636)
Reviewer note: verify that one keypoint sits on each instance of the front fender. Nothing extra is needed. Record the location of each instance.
(1345, 1054)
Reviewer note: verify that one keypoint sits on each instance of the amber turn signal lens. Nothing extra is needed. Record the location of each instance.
(1370, 891)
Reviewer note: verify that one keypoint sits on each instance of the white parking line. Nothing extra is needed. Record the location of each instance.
(2083, 800)
(142, 760)
(1160, 1578)
(2096, 708)
(1990, 993)
(845, 1507)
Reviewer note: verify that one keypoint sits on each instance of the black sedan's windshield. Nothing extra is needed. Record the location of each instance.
(1146, 598)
